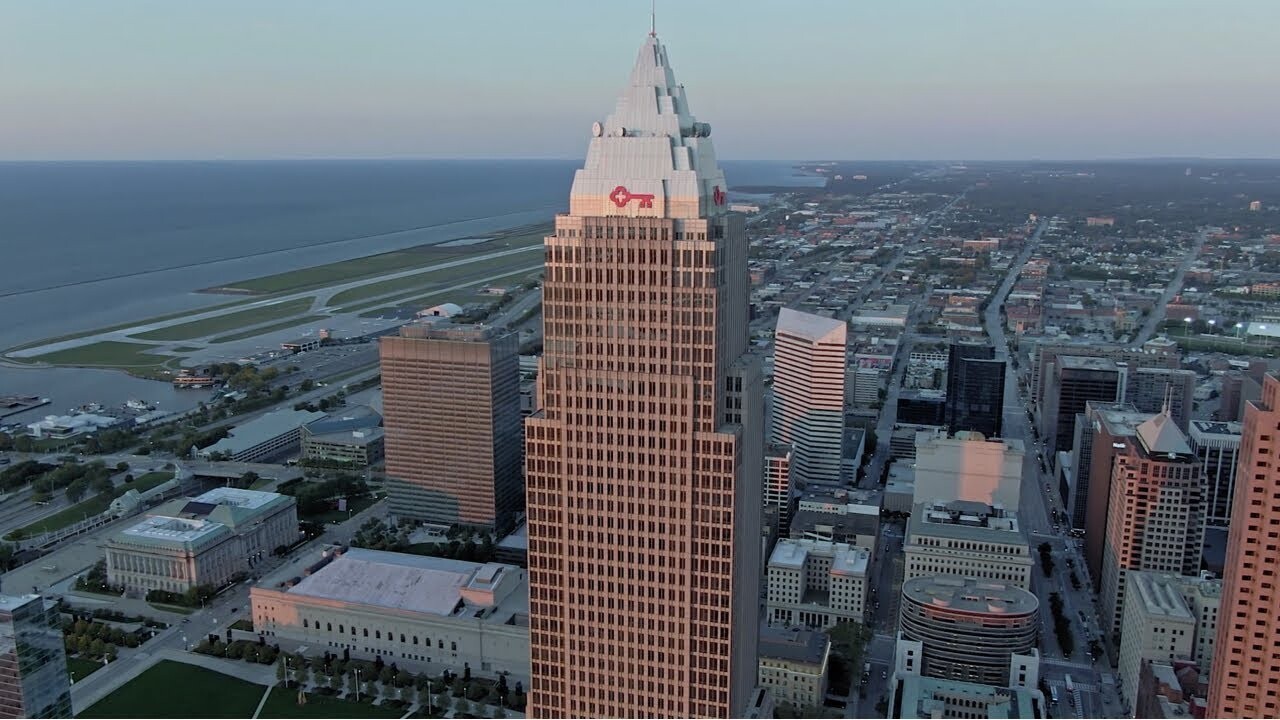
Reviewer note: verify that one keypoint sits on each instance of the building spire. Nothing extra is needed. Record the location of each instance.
(653, 18)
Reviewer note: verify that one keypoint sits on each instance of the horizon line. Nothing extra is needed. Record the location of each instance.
(552, 158)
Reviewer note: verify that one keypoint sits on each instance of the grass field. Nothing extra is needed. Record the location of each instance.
(283, 703)
(283, 325)
(92, 506)
(171, 689)
(1226, 345)
(80, 668)
(108, 353)
(460, 296)
(229, 322)
(125, 326)
(325, 275)
(450, 276)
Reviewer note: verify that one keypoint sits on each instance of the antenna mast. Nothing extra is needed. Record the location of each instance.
(653, 18)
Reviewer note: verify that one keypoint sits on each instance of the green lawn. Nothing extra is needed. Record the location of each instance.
(108, 353)
(230, 322)
(374, 265)
(172, 689)
(81, 668)
(283, 325)
(425, 280)
(1225, 344)
(282, 703)
(460, 296)
(92, 506)
(354, 507)
(123, 326)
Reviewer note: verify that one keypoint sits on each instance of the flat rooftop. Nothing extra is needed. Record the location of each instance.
(926, 697)
(171, 530)
(796, 645)
(255, 432)
(1077, 362)
(247, 499)
(964, 521)
(970, 595)
(809, 327)
(403, 582)
(1224, 430)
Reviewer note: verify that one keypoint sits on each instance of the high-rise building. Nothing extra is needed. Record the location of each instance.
(451, 412)
(1217, 444)
(1074, 382)
(33, 665)
(1246, 673)
(1166, 617)
(1105, 429)
(1155, 513)
(1155, 353)
(1150, 389)
(809, 393)
(644, 464)
(975, 389)
(777, 486)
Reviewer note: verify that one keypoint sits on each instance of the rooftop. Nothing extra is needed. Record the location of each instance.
(359, 417)
(813, 328)
(256, 432)
(1076, 362)
(1224, 430)
(797, 645)
(1159, 435)
(963, 520)
(1160, 594)
(9, 603)
(411, 583)
(926, 697)
(970, 595)
(169, 531)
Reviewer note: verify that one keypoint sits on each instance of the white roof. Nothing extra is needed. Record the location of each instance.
(814, 328)
(788, 554)
(256, 432)
(170, 529)
(396, 581)
(249, 499)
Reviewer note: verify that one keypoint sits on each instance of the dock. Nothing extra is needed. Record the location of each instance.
(14, 404)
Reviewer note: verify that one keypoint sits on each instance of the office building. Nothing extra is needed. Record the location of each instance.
(411, 610)
(352, 438)
(967, 539)
(922, 407)
(809, 393)
(867, 384)
(777, 486)
(1169, 691)
(1246, 674)
(644, 464)
(816, 584)
(1150, 389)
(1217, 444)
(1155, 513)
(969, 629)
(840, 516)
(1075, 382)
(275, 434)
(975, 390)
(905, 438)
(1166, 618)
(33, 664)
(912, 695)
(1104, 429)
(451, 413)
(969, 467)
(793, 665)
(205, 540)
(1155, 353)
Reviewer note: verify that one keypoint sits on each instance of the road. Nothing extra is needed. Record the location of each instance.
(1174, 287)
(215, 617)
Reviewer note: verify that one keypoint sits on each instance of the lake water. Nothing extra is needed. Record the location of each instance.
(87, 245)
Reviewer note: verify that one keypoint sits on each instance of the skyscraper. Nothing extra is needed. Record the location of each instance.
(644, 465)
(1150, 389)
(975, 389)
(451, 409)
(1245, 681)
(33, 664)
(809, 393)
(1155, 513)
(1075, 381)
(1104, 429)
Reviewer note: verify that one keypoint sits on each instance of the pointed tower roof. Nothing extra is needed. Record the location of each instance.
(650, 157)
(1160, 436)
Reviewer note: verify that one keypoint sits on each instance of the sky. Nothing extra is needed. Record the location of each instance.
(800, 80)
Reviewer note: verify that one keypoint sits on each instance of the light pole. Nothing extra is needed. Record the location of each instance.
(357, 684)
(1186, 327)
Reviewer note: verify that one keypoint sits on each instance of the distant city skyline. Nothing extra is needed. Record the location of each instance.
(980, 80)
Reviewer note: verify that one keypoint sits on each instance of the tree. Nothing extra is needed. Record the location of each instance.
(371, 689)
(386, 676)
(76, 491)
(349, 682)
(306, 385)
(403, 678)
(461, 705)
(249, 478)
(122, 466)
(97, 647)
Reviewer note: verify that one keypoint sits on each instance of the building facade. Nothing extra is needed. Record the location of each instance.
(1150, 389)
(969, 629)
(413, 610)
(350, 438)
(644, 465)
(1217, 444)
(1155, 514)
(793, 665)
(969, 467)
(777, 486)
(204, 540)
(816, 584)
(967, 540)
(273, 435)
(975, 390)
(1105, 429)
(1247, 671)
(33, 664)
(809, 393)
(451, 414)
(1075, 382)
(1158, 626)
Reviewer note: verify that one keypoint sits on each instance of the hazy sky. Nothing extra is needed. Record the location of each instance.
(857, 79)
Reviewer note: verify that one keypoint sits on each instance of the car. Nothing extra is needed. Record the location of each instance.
(884, 674)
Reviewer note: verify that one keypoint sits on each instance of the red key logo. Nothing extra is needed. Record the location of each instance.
(717, 195)
(621, 196)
